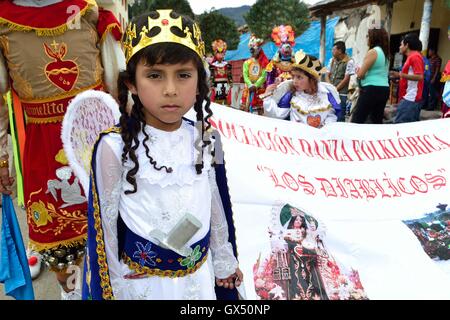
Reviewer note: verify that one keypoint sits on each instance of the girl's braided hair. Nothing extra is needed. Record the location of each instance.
(133, 122)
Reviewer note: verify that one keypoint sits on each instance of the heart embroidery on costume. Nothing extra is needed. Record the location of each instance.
(62, 73)
(314, 121)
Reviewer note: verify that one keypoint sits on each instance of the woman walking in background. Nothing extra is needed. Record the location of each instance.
(373, 77)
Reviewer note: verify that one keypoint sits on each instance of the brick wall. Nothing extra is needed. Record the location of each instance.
(236, 71)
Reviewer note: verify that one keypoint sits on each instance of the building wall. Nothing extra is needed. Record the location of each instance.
(236, 70)
(118, 7)
(404, 13)
(407, 11)
(410, 11)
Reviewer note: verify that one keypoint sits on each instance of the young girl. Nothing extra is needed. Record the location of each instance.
(304, 99)
(157, 227)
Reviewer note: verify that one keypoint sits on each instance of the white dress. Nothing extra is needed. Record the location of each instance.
(160, 201)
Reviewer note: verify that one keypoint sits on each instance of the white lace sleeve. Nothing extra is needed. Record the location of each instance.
(223, 258)
(109, 172)
(272, 110)
(331, 117)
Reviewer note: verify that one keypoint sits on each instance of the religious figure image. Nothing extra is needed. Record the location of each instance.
(299, 266)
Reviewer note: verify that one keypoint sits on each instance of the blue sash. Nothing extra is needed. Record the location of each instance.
(146, 258)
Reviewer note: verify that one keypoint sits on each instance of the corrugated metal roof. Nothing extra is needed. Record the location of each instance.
(327, 7)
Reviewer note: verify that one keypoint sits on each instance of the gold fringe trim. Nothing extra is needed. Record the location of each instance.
(105, 283)
(37, 246)
(112, 129)
(299, 109)
(161, 273)
(70, 94)
(44, 32)
(45, 120)
(445, 78)
(108, 29)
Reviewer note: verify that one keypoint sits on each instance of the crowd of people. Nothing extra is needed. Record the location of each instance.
(417, 86)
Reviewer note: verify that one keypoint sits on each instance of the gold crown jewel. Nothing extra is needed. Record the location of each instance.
(308, 64)
(192, 38)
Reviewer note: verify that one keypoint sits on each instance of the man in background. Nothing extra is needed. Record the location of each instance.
(435, 85)
(341, 68)
(411, 80)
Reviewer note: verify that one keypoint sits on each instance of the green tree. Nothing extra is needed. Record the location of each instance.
(215, 25)
(264, 15)
(180, 6)
(138, 7)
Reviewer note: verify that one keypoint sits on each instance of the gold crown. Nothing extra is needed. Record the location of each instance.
(308, 64)
(192, 38)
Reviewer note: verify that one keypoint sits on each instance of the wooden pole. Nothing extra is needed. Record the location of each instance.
(323, 26)
(425, 25)
(389, 10)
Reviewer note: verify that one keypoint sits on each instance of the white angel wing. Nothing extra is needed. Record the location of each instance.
(88, 114)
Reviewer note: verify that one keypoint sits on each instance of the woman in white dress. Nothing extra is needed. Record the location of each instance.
(157, 227)
(303, 99)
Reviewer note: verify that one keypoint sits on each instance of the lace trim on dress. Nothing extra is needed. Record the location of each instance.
(171, 149)
(224, 261)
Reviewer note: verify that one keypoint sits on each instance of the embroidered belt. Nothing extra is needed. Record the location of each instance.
(51, 110)
(148, 259)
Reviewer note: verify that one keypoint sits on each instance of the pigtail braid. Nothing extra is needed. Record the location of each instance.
(129, 129)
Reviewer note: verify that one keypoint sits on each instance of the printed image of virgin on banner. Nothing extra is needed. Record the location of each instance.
(299, 265)
(344, 212)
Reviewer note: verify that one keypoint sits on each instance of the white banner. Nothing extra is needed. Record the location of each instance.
(344, 212)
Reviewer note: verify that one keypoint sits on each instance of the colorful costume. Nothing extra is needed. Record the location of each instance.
(281, 63)
(52, 53)
(130, 254)
(137, 266)
(299, 106)
(221, 76)
(254, 72)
